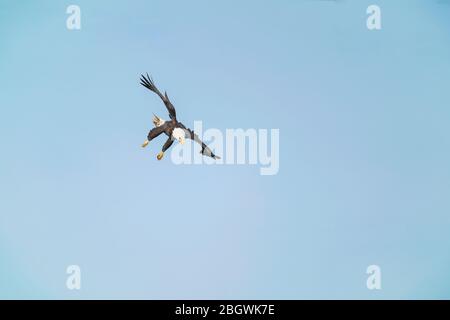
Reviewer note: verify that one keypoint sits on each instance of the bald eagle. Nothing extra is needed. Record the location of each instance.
(174, 129)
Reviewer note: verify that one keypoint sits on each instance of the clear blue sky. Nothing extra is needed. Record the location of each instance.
(364, 157)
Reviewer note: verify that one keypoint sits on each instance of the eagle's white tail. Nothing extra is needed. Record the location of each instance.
(157, 121)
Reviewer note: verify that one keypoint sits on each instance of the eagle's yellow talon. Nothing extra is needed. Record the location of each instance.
(145, 144)
(160, 155)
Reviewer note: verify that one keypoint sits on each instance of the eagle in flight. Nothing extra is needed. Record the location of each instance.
(174, 129)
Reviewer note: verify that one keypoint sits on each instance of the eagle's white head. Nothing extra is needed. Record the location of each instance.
(157, 121)
(179, 135)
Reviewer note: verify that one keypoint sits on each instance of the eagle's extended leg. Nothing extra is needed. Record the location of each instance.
(153, 134)
(164, 148)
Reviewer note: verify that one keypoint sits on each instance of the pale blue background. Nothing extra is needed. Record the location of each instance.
(365, 150)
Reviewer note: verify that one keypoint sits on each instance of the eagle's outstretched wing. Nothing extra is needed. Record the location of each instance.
(206, 151)
(149, 84)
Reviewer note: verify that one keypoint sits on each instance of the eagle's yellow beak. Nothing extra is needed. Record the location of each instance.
(181, 141)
